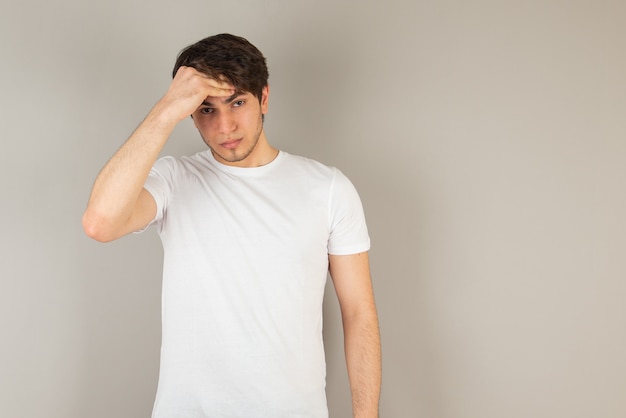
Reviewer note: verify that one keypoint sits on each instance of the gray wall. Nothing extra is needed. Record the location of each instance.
(487, 140)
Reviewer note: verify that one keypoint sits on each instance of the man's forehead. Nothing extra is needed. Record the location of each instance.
(211, 100)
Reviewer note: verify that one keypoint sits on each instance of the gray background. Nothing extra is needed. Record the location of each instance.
(487, 140)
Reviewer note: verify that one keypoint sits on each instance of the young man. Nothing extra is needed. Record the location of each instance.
(249, 233)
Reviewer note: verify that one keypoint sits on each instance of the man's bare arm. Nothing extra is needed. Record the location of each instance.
(351, 278)
(118, 203)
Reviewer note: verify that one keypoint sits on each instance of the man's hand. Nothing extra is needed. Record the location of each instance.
(188, 90)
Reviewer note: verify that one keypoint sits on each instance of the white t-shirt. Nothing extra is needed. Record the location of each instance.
(245, 265)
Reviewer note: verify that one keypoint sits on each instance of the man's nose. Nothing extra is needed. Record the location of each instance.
(226, 122)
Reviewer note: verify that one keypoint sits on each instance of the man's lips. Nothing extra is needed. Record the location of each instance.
(231, 143)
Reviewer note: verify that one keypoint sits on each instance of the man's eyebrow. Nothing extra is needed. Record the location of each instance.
(226, 100)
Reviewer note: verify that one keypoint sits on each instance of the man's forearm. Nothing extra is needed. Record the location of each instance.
(363, 357)
(117, 187)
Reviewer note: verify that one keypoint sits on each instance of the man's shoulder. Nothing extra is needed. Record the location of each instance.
(176, 163)
(308, 164)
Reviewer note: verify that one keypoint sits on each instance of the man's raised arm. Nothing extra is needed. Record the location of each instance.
(118, 203)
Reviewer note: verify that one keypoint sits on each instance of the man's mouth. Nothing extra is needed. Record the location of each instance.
(231, 143)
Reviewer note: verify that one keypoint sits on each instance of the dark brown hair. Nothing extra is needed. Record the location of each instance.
(227, 57)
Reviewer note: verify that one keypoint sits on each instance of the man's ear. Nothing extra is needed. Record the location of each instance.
(265, 95)
(194, 121)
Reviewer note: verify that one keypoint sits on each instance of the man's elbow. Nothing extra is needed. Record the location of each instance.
(97, 227)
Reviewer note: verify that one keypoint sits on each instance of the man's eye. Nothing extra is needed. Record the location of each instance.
(239, 103)
(206, 110)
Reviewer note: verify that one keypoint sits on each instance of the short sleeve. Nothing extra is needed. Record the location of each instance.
(348, 229)
(159, 185)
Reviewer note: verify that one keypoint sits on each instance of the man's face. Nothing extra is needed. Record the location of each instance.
(232, 126)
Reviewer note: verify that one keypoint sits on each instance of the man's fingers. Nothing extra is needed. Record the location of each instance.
(213, 87)
(190, 88)
(220, 91)
(219, 88)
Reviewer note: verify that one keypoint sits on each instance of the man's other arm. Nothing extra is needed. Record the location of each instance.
(353, 285)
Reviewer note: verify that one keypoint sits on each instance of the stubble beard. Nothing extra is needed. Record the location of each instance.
(236, 156)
